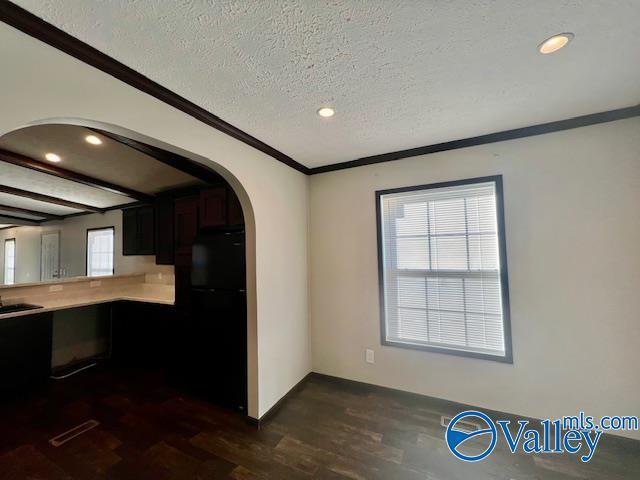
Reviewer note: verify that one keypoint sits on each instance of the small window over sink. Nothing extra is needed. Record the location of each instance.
(100, 252)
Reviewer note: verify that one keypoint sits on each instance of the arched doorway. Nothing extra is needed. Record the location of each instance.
(249, 225)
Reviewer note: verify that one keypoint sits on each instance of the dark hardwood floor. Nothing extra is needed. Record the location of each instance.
(326, 430)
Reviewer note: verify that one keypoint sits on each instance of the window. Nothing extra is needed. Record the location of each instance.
(10, 261)
(443, 271)
(100, 243)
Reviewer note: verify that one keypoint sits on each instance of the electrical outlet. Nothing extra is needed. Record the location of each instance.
(95, 283)
(369, 356)
(56, 288)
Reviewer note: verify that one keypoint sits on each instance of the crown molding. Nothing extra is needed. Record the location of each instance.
(34, 26)
(541, 129)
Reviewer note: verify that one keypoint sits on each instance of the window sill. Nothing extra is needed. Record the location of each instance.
(507, 358)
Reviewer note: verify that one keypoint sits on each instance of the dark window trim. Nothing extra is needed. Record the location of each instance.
(504, 275)
(86, 249)
(4, 259)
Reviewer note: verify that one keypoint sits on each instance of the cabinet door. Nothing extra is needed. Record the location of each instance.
(129, 232)
(164, 231)
(213, 207)
(140, 333)
(186, 224)
(25, 352)
(146, 231)
(234, 209)
(183, 284)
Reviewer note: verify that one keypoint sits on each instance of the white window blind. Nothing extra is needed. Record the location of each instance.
(441, 272)
(10, 261)
(100, 252)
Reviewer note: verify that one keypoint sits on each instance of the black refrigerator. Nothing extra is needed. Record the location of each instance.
(219, 317)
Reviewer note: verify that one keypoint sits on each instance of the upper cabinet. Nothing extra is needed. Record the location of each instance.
(138, 231)
(234, 209)
(186, 224)
(213, 207)
(164, 231)
(169, 226)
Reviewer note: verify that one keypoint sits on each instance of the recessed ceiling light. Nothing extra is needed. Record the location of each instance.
(52, 157)
(326, 112)
(93, 140)
(555, 43)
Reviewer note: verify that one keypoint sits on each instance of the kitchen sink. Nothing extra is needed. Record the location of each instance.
(17, 307)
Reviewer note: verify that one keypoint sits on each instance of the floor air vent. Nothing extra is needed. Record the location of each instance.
(460, 424)
(73, 433)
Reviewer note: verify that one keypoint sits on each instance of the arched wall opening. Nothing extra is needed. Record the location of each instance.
(253, 409)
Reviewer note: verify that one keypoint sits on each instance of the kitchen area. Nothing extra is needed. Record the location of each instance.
(117, 253)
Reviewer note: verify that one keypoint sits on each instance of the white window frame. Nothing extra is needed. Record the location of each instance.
(9, 267)
(507, 357)
(90, 269)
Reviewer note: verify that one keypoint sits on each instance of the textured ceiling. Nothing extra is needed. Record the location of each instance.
(35, 205)
(400, 74)
(32, 181)
(26, 216)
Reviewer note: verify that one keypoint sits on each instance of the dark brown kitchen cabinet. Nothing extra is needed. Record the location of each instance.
(129, 232)
(140, 333)
(164, 231)
(146, 231)
(234, 209)
(186, 229)
(138, 231)
(213, 207)
(25, 352)
(186, 224)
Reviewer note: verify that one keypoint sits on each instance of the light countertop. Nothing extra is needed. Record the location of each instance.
(139, 292)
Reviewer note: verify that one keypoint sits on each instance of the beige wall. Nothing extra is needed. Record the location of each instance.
(27, 253)
(572, 206)
(39, 83)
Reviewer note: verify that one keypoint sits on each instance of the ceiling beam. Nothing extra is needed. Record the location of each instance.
(17, 221)
(173, 160)
(35, 213)
(47, 199)
(30, 163)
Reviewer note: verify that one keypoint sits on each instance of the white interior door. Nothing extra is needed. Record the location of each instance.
(50, 256)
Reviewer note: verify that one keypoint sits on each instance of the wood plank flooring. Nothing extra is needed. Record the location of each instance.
(326, 430)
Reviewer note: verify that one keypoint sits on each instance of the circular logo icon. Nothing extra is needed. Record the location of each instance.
(456, 437)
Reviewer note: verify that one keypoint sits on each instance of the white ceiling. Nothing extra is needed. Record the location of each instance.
(32, 181)
(35, 205)
(23, 215)
(400, 74)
